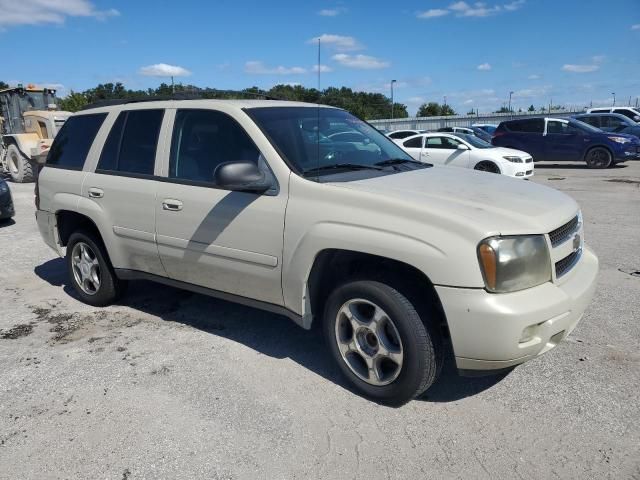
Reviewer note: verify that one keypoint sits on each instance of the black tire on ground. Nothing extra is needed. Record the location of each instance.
(110, 287)
(421, 342)
(20, 169)
(486, 166)
(598, 157)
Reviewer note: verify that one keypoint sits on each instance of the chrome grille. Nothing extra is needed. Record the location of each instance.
(564, 265)
(563, 233)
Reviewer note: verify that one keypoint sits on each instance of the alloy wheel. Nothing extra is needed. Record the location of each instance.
(86, 268)
(369, 342)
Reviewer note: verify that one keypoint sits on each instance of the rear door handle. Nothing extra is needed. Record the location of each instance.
(172, 205)
(96, 192)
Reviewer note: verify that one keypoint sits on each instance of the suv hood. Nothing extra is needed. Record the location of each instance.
(488, 203)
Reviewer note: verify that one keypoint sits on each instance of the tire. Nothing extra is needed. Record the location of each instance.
(414, 344)
(20, 169)
(598, 157)
(92, 276)
(486, 166)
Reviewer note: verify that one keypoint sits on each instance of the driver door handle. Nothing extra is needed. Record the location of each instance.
(172, 205)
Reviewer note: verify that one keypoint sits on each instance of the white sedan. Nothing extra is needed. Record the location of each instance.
(467, 151)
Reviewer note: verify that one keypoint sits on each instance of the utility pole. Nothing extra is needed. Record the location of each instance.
(173, 87)
(510, 93)
(614, 98)
(392, 82)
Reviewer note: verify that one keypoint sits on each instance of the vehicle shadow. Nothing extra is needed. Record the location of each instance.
(265, 332)
(574, 166)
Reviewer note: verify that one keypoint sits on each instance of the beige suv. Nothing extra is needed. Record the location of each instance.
(310, 212)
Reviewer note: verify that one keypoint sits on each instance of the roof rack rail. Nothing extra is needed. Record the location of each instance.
(205, 94)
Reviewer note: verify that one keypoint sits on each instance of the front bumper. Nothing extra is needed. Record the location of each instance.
(631, 152)
(487, 330)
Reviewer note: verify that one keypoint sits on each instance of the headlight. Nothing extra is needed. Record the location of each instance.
(510, 264)
(3, 188)
(620, 139)
(513, 159)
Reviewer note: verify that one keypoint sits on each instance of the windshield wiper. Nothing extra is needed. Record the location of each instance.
(396, 161)
(341, 166)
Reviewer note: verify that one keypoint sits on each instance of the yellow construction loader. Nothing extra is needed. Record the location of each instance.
(29, 121)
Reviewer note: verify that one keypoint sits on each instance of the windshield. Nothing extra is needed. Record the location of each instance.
(33, 101)
(473, 140)
(312, 139)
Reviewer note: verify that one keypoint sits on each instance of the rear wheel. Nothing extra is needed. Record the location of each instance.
(20, 169)
(486, 166)
(598, 157)
(382, 346)
(90, 271)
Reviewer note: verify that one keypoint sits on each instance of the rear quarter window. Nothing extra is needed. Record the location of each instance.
(72, 144)
(534, 125)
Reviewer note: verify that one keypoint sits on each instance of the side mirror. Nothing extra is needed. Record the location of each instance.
(462, 146)
(636, 118)
(241, 177)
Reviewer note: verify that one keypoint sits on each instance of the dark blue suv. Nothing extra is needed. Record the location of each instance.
(570, 140)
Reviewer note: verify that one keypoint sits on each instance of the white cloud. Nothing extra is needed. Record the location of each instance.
(365, 62)
(482, 9)
(467, 102)
(513, 6)
(256, 67)
(529, 93)
(338, 42)
(484, 67)
(598, 58)
(322, 68)
(568, 67)
(164, 70)
(635, 27)
(332, 12)
(534, 77)
(433, 13)
(38, 12)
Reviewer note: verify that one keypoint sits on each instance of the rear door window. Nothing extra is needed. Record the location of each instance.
(132, 142)
(594, 121)
(72, 144)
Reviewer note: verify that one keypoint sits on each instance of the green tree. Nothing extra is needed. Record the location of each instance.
(3, 85)
(531, 109)
(503, 109)
(73, 102)
(446, 110)
(431, 109)
(434, 109)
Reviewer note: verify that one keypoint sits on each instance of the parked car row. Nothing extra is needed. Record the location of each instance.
(600, 138)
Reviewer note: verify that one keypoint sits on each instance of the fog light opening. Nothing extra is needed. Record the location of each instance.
(528, 334)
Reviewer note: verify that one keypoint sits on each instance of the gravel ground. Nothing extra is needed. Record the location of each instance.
(170, 384)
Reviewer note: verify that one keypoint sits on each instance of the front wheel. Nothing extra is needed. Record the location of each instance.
(598, 157)
(486, 166)
(20, 169)
(382, 346)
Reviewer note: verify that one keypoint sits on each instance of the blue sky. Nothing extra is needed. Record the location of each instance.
(474, 53)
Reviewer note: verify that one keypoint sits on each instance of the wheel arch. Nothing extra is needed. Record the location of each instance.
(68, 221)
(599, 145)
(332, 267)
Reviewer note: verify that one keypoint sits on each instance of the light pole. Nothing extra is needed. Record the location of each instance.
(392, 82)
(510, 93)
(614, 98)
